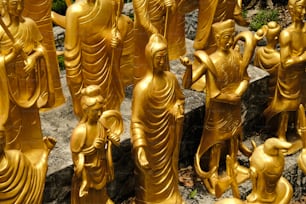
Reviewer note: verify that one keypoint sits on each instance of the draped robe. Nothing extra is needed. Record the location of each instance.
(89, 57)
(24, 93)
(156, 129)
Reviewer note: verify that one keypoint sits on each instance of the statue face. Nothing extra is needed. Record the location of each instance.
(299, 10)
(160, 60)
(225, 40)
(15, 7)
(94, 112)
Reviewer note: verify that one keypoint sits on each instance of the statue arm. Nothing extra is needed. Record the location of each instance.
(138, 134)
(141, 12)
(72, 51)
(287, 58)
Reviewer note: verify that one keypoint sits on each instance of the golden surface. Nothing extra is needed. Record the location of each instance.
(92, 51)
(40, 12)
(268, 57)
(90, 145)
(288, 95)
(156, 128)
(266, 168)
(126, 29)
(227, 80)
(157, 16)
(26, 85)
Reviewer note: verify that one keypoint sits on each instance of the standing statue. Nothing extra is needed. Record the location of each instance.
(266, 167)
(227, 81)
(268, 57)
(126, 29)
(287, 97)
(93, 50)
(23, 176)
(156, 128)
(24, 71)
(23, 66)
(40, 12)
(302, 130)
(152, 17)
(90, 145)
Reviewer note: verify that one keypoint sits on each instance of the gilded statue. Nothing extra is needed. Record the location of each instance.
(92, 53)
(268, 57)
(23, 174)
(23, 150)
(152, 17)
(156, 128)
(91, 146)
(26, 80)
(287, 97)
(40, 12)
(227, 80)
(211, 12)
(126, 28)
(266, 168)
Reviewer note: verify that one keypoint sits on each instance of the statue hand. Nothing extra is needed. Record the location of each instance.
(142, 158)
(114, 138)
(98, 143)
(29, 64)
(171, 4)
(185, 61)
(116, 38)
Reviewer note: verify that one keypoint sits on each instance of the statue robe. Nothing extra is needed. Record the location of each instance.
(26, 92)
(154, 127)
(89, 57)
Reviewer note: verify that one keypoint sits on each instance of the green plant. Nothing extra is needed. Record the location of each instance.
(59, 6)
(263, 17)
(61, 62)
(193, 194)
(244, 13)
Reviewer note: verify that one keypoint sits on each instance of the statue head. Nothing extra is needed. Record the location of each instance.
(15, 7)
(224, 33)
(297, 9)
(92, 103)
(157, 53)
(273, 30)
(266, 168)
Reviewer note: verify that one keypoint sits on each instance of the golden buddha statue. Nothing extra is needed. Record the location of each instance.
(26, 80)
(266, 168)
(156, 128)
(40, 12)
(157, 16)
(227, 80)
(90, 145)
(22, 174)
(268, 57)
(287, 97)
(92, 51)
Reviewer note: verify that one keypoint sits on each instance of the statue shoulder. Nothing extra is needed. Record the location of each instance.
(78, 138)
(74, 10)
